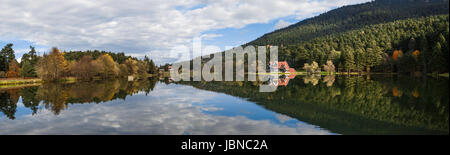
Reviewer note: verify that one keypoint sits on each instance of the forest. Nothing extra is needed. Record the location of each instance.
(405, 46)
(404, 36)
(353, 17)
(83, 65)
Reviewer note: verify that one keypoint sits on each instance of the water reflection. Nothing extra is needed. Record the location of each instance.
(169, 109)
(303, 105)
(57, 97)
(329, 80)
(355, 104)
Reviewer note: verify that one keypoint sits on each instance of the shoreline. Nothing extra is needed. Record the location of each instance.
(20, 82)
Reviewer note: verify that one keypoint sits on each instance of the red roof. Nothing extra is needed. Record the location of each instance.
(283, 65)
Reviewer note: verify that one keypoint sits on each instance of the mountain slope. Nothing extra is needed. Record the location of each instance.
(410, 45)
(353, 17)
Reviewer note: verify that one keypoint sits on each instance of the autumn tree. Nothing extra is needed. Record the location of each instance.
(329, 67)
(51, 66)
(86, 68)
(312, 68)
(14, 69)
(108, 68)
(131, 66)
(123, 70)
(142, 68)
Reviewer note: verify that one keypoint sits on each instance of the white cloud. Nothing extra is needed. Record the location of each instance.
(161, 112)
(210, 36)
(135, 26)
(281, 24)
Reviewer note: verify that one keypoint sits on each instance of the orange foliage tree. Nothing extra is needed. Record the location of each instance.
(86, 68)
(52, 66)
(416, 54)
(14, 69)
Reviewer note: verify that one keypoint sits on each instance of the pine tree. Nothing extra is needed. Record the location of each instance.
(27, 70)
(425, 55)
(348, 59)
(153, 68)
(6, 56)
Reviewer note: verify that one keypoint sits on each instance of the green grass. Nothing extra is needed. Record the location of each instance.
(68, 79)
(436, 75)
(444, 75)
(18, 81)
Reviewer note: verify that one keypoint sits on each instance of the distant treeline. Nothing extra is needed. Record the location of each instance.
(406, 46)
(353, 17)
(83, 65)
(383, 35)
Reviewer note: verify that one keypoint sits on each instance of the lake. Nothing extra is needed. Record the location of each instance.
(310, 105)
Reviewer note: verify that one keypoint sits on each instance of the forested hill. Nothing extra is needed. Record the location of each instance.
(353, 17)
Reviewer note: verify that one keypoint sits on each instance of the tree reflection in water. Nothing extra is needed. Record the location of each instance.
(8, 102)
(354, 104)
(341, 104)
(57, 96)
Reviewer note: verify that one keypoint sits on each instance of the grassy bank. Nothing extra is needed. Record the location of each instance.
(7, 87)
(444, 75)
(7, 82)
(438, 75)
(19, 81)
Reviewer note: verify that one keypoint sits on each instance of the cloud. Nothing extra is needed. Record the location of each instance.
(161, 112)
(140, 27)
(281, 24)
(210, 36)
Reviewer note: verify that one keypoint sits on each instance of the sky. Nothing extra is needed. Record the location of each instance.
(184, 113)
(151, 27)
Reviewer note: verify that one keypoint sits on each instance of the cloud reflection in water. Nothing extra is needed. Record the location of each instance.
(169, 110)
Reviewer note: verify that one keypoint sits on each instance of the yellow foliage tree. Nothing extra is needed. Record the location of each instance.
(109, 67)
(52, 66)
(14, 69)
(131, 66)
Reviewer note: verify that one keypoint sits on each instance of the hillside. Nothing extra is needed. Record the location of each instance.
(353, 17)
(410, 45)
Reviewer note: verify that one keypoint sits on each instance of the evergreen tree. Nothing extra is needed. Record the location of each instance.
(153, 68)
(348, 59)
(28, 62)
(6, 56)
(27, 69)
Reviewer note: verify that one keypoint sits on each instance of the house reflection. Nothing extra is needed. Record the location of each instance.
(387, 105)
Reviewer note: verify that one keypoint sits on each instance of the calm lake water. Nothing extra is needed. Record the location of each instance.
(306, 105)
